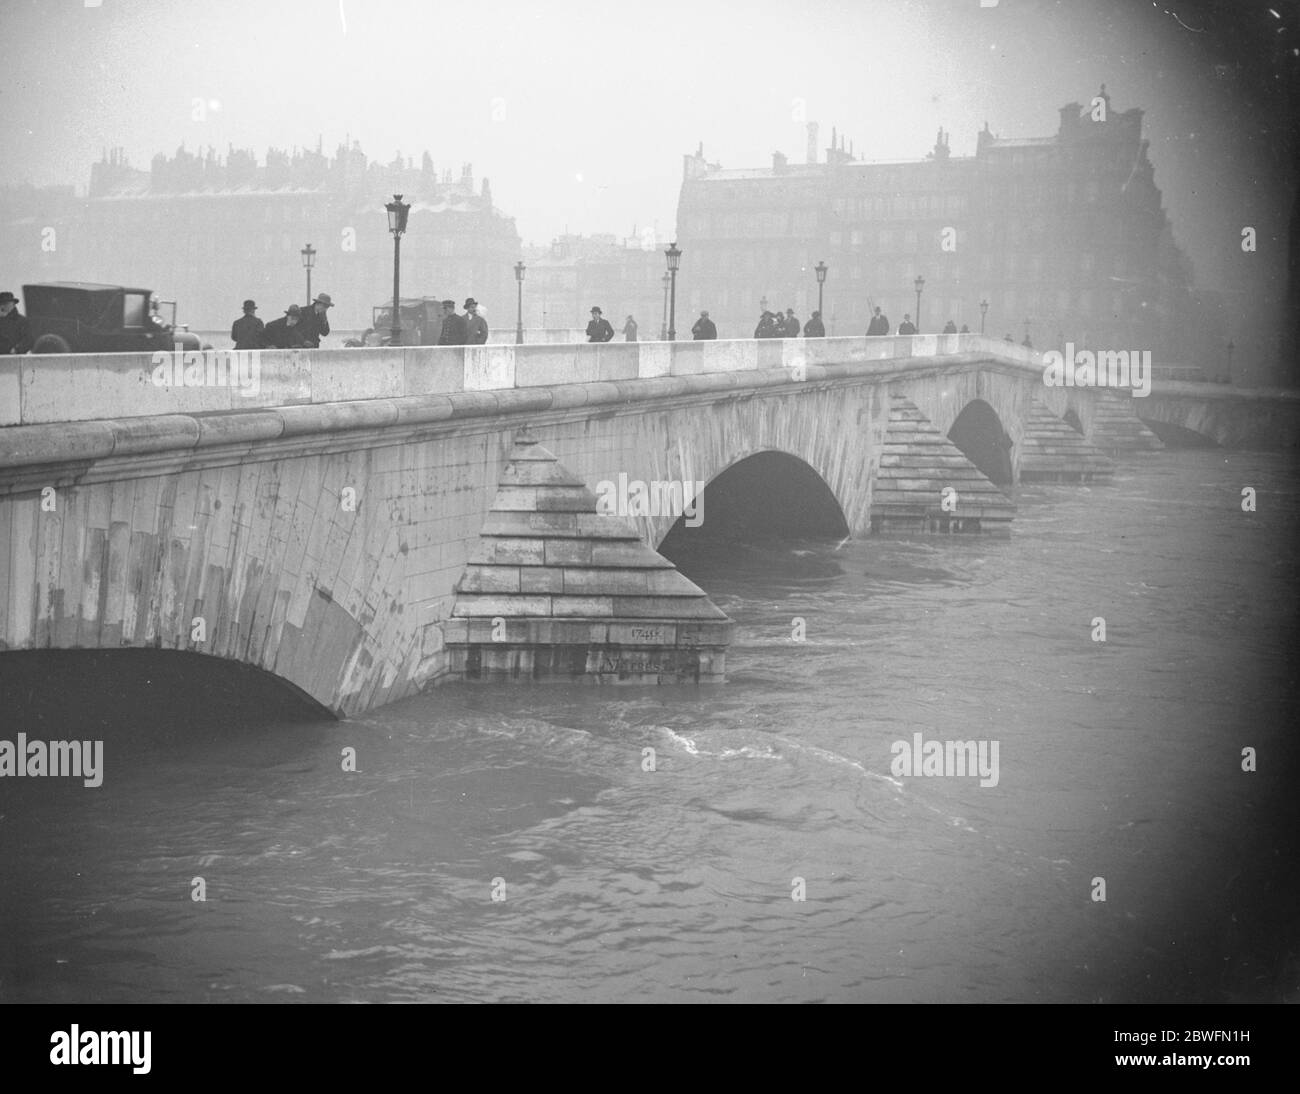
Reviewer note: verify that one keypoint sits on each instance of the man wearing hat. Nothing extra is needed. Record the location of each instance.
(315, 323)
(15, 331)
(248, 332)
(454, 330)
(476, 328)
(599, 329)
(286, 332)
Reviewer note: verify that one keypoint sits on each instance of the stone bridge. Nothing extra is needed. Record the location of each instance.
(315, 523)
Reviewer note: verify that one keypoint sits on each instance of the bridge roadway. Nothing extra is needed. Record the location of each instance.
(317, 527)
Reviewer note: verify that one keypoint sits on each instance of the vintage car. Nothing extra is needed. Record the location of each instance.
(420, 318)
(82, 317)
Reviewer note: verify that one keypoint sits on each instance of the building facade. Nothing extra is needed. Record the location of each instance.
(1065, 236)
(209, 231)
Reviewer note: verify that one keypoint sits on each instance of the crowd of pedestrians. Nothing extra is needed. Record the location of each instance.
(297, 328)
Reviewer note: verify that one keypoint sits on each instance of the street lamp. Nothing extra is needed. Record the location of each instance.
(663, 330)
(820, 268)
(918, 285)
(519, 321)
(398, 211)
(674, 260)
(984, 310)
(308, 261)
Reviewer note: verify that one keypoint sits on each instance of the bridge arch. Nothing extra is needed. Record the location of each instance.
(979, 433)
(765, 493)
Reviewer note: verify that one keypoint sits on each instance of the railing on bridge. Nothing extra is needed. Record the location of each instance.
(37, 390)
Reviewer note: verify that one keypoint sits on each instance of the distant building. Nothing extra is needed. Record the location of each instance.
(1067, 232)
(209, 231)
(622, 276)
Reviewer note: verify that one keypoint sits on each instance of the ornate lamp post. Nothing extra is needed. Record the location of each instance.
(674, 260)
(918, 285)
(820, 269)
(984, 310)
(663, 330)
(398, 211)
(519, 319)
(308, 261)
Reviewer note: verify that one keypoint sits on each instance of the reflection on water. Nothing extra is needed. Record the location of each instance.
(1119, 760)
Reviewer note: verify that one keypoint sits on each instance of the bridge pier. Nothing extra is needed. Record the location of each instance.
(556, 591)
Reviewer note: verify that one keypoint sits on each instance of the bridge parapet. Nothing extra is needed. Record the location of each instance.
(37, 390)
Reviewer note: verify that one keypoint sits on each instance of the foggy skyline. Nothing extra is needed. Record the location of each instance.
(595, 107)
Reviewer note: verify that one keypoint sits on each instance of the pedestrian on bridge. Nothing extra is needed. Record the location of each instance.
(599, 329)
(248, 332)
(879, 324)
(286, 332)
(790, 325)
(315, 323)
(704, 330)
(476, 328)
(455, 331)
(814, 328)
(15, 331)
(629, 330)
(950, 327)
(767, 326)
(964, 329)
(906, 326)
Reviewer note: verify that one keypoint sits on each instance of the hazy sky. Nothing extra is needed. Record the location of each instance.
(579, 112)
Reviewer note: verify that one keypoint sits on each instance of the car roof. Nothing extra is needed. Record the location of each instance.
(87, 286)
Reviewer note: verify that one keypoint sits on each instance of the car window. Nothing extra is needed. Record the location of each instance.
(134, 307)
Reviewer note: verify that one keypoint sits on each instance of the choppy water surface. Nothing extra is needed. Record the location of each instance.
(1118, 760)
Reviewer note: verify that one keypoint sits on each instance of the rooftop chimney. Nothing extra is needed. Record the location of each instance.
(778, 163)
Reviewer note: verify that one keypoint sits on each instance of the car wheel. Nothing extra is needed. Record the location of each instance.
(51, 343)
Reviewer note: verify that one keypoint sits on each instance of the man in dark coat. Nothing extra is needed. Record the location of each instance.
(476, 328)
(879, 324)
(454, 330)
(906, 326)
(629, 330)
(15, 331)
(814, 328)
(248, 332)
(767, 326)
(789, 325)
(950, 327)
(315, 323)
(286, 332)
(599, 329)
(704, 330)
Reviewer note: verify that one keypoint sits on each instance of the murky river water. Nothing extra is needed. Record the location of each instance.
(1118, 760)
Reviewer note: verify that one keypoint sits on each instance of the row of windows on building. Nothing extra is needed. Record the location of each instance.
(906, 264)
